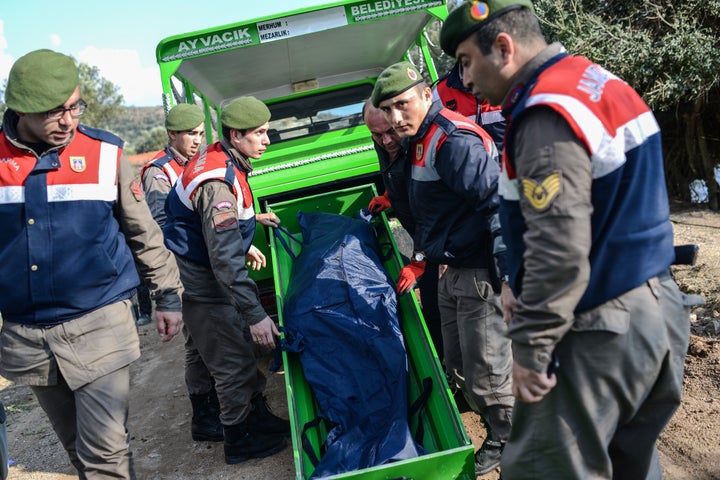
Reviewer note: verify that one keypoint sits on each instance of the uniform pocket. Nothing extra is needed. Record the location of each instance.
(483, 288)
(611, 316)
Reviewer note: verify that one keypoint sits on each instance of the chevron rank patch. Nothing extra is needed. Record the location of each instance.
(137, 190)
(540, 195)
(225, 220)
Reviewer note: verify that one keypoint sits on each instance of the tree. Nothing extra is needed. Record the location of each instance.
(102, 96)
(667, 51)
(2, 98)
(152, 140)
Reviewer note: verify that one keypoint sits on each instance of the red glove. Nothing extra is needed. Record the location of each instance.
(409, 275)
(379, 203)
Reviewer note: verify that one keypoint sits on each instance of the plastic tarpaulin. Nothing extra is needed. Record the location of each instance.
(340, 317)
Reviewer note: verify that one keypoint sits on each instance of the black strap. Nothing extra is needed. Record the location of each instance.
(280, 229)
(419, 405)
(307, 446)
(386, 251)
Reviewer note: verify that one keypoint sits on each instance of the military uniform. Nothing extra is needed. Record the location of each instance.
(453, 195)
(220, 299)
(158, 177)
(210, 228)
(76, 216)
(585, 217)
(395, 173)
(592, 284)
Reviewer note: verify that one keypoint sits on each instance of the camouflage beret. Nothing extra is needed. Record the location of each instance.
(184, 116)
(394, 80)
(470, 17)
(40, 81)
(245, 112)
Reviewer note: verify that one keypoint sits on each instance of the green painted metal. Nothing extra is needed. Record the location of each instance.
(450, 452)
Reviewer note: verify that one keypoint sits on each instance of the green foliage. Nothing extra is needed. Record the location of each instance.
(152, 140)
(443, 63)
(134, 126)
(667, 51)
(102, 96)
(2, 98)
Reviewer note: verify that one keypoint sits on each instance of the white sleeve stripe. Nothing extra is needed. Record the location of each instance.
(107, 174)
(508, 189)
(493, 116)
(607, 149)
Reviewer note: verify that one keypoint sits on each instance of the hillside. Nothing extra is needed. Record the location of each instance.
(135, 122)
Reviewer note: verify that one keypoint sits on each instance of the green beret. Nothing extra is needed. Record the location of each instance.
(470, 16)
(183, 117)
(40, 81)
(394, 80)
(245, 112)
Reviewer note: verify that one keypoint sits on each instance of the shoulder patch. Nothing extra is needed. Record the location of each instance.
(540, 195)
(225, 220)
(137, 190)
(161, 176)
(103, 135)
(225, 204)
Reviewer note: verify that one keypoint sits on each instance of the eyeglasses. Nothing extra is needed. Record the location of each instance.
(75, 111)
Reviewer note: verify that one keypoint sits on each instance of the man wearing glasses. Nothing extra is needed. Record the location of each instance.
(75, 226)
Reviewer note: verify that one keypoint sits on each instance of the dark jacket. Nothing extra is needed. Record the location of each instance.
(453, 189)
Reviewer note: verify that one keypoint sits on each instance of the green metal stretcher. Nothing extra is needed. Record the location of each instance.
(450, 452)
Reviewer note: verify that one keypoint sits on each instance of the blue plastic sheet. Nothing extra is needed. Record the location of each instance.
(340, 317)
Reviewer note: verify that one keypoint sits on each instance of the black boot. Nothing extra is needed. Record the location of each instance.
(243, 443)
(206, 426)
(487, 458)
(262, 418)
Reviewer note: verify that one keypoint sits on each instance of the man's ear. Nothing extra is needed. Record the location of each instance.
(427, 94)
(505, 45)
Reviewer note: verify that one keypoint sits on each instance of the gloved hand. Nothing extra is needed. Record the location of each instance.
(379, 203)
(409, 275)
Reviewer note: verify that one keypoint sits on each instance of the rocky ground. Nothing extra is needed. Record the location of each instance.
(160, 411)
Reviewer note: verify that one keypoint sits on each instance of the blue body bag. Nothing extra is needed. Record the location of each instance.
(340, 317)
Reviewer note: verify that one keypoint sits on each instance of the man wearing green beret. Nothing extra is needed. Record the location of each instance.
(210, 227)
(186, 129)
(76, 232)
(185, 124)
(599, 329)
(452, 191)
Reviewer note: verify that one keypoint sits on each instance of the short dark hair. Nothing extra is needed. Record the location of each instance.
(226, 131)
(520, 23)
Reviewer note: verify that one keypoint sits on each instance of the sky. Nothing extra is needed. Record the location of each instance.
(119, 36)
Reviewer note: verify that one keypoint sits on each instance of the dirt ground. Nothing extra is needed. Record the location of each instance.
(160, 410)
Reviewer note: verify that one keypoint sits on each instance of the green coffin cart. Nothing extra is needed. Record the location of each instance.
(450, 452)
(314, 67)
